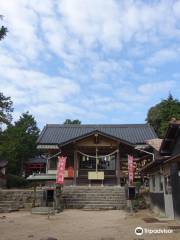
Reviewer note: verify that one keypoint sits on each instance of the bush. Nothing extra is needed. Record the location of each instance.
(14, 181)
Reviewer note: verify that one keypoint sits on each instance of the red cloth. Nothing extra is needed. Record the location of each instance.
(70, 171)
(130, 169)
(60, 170)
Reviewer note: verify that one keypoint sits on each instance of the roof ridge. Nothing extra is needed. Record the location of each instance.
(98, 125)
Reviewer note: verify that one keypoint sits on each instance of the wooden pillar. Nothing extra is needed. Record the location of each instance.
(75, 166)
(118, 168)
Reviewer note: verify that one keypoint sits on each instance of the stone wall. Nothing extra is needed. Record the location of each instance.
(25, 197)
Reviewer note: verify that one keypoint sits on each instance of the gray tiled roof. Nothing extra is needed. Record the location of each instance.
(37, 159)
(63, 133)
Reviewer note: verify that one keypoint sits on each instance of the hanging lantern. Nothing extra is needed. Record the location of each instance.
(83, 158)
(87, 158)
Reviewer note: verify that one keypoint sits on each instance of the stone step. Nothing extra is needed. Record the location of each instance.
(89, 196)
(94, 188)
(42, 210)
(4, 201)
(9, 206)
(93, 202)
(118, 189)
(96, 206)
(5, 210)
(4, 205)
(93, 197)
(95, 193)
(101, 208)
(8, 209)
(9, 203)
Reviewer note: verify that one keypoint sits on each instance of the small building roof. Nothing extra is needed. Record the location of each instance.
(37, 159)
(61, 134)
(171, 135)
(155, 143)
(41, 177)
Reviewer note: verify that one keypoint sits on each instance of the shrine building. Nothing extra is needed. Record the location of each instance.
(96, 154)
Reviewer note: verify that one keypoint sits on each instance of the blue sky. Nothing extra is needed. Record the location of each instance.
(100, 61)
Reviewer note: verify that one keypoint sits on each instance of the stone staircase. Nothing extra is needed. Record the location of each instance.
(94, 197)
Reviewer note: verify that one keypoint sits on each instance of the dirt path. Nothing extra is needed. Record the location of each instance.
(79, 225)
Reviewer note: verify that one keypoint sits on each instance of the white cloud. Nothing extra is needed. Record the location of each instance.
(90, 21)
(30, 88)
(22, 25)
(141, 94)
(87, 58)
(7, 61)
(153, 88)
(106, 69)
(82, 25)
(112, 23)
(150, 70)
(163, 56)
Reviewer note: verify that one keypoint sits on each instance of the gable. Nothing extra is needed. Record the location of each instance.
(97, 139)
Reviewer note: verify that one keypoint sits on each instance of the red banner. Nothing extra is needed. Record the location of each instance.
(130, 169)
(60, 170)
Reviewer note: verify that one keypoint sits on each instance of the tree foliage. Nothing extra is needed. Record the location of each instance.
(18, 143)
(161, 114)
(5, 109)
(69, 121)
(3, 30)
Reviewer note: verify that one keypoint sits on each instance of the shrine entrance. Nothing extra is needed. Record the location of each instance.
(97, 160)
(97, 167)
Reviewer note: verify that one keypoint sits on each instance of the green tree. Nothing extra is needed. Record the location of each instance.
(69, 121)
(161, 114)
(18, 143)
(5, 109)
(3, 30)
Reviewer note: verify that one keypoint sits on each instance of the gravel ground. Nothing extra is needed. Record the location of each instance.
(81, 225)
